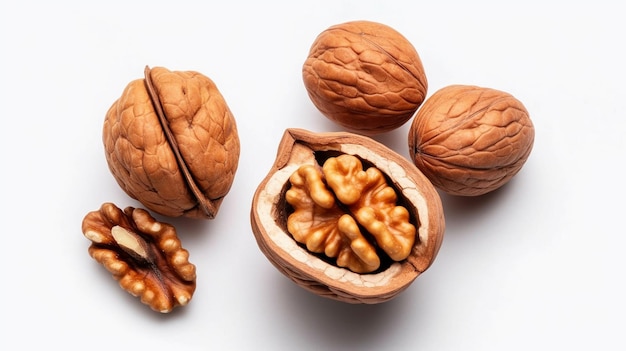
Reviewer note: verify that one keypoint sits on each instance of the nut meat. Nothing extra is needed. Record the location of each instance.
(333, 203)
(171, 142)
(144, 255)
(346, 194)
(470, 140)
(365, 76)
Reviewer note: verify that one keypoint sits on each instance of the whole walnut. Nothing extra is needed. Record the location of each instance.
(365, 76)
(171, 143)
(470, 140)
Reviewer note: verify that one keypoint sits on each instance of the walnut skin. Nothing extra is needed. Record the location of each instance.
(365, 76)
(470, 140)
(369, 201)
(171, 142)
(144, 255)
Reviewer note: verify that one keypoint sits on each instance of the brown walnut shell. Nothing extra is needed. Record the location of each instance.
(269, 216)
(365, 76)
(470, 140)
(171, 142)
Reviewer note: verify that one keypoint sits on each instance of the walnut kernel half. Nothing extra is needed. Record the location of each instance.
(144, 255)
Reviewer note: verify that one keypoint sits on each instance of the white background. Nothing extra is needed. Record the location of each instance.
(538, 264)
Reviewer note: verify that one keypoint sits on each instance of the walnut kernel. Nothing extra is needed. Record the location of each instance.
(144, 255)
(332, 206)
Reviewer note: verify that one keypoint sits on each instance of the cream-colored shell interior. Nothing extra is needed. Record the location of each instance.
(269, 197)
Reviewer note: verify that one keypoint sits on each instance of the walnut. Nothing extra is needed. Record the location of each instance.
(470, 140)
(345, 217)
(171, 142)
(144, 255)
(328, 216)
(365, 76)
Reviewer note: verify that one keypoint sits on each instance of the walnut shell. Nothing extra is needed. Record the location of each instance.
(171, 143)
(470, 140)
(269, 214)
(365, 76)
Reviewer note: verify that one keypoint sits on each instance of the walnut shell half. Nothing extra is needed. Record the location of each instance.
(470, 140)
(365, 76)
(171, 142)
(270, 211)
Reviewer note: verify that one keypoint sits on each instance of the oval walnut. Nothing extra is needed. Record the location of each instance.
(318, 274)
(471, 140)
(171, 142)
(365, 76)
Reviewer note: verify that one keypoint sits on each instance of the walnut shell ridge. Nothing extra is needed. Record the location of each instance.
(171, 143)
(365, 76)
(470, 140)
(269, 216)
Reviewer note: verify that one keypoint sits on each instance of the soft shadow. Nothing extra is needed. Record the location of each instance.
(344, 325)
(122, 301)
(463, 211)
(192, 232)
(396, 140)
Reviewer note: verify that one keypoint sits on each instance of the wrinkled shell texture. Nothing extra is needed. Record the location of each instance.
(471, 140)
(365, 76)
(269, 217)
(142, 160)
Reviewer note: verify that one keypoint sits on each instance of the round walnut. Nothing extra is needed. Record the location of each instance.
(365, 76)
(171, 142)
(470, 140)
(345, 217)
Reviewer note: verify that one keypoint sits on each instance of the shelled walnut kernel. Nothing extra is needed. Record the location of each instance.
(348, 213)
(144, 255)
